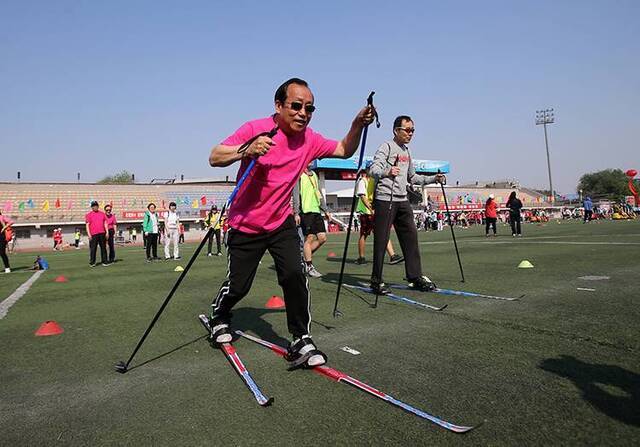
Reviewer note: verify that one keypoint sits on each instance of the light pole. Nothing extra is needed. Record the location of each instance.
(545, 117)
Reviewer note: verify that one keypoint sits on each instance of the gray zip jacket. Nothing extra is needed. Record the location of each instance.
(388, 154)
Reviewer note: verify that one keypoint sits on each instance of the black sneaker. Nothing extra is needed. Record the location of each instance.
(361, 261)
(92, 265)
(177, 258)
(302, 353)
(220, 332)
(422, 284)
(149, 260)
(379, 288)
(396, 259)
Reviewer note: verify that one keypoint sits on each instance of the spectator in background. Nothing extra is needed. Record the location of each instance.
(181, 230)
(440, 219)
(96, 223)
(134, 235)
(6, 234)
(171, 232)
(150, 228)
(308, 203)
(76, 237)
(57, 239)
(588, 209)
(515, 205)
(491, 215)
(111, 232)
(213, 219)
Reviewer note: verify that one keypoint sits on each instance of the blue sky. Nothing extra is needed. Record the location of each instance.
(98, 87)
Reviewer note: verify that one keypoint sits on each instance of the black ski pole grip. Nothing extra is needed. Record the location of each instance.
(370, 104)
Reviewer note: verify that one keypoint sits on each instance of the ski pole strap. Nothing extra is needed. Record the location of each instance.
(272, 133)
(370, 103)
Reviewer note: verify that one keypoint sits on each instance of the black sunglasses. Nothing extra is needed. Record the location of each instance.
(297, 106)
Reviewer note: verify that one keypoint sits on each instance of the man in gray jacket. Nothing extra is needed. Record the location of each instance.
(394, 171)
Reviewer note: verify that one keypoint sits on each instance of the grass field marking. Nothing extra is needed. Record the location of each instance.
(554, 242)
(19, 293)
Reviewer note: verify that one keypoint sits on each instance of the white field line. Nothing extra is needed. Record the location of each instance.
(555, 242)
(19, 293)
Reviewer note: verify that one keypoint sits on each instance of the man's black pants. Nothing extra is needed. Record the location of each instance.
(95, 241)
(401, 217)
(3, 250)
(514, 219)
(490, 222)
(215, 233)
(111, 245)
(244, 252)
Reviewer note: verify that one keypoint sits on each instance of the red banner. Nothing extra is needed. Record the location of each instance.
(470, 206)
(133, 215)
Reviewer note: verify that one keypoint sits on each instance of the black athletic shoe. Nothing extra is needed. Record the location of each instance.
(361, 261)
(220, 332)
(379, 288)
(396, 259)
(422, 284)
(302, 353)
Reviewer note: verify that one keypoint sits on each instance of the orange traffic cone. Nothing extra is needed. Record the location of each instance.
(275, 302)
(49, 328)
(331, 255)
(61, 278)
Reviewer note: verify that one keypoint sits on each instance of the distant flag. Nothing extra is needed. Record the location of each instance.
(70, 204)
(186, 200)
(45, 206)
(124, 203)
(31, 204)
(203, 200)
(8, 206)
(21, 207)
(57, 203)
(194, 204)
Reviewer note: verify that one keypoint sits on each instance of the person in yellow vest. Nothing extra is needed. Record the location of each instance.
(213, 217)
(365, 189)
(308, 203)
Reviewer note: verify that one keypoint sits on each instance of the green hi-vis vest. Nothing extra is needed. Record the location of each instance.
(211, 219)
(309, 193)
(370, 188)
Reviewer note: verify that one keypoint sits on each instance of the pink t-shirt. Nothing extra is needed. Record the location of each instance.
(263, 202)
(96, 220)
(5, 220)
(111, 221)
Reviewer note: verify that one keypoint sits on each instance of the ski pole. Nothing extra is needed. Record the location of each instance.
(336, 312)
(387, 233)
(123, 367)
(453, 235)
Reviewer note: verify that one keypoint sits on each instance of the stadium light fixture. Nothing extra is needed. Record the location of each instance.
(544, 117)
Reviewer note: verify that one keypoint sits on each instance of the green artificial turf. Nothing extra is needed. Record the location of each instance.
(561, 366)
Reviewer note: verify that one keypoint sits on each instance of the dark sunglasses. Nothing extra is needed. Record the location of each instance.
(407, 129)
(297, 106)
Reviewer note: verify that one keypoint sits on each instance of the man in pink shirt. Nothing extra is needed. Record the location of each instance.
(111, 232)
(260, 217)
(6, 234)
(96, 222)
